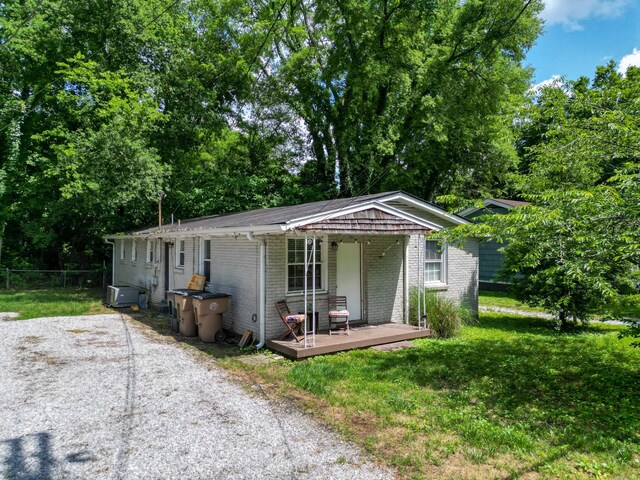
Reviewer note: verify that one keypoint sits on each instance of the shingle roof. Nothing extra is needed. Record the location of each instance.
(267, 216)
(513, 203)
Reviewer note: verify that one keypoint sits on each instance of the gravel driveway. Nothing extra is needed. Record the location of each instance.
(94, 397)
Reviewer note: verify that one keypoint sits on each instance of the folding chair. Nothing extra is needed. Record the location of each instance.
(338, 313)
(292, 322)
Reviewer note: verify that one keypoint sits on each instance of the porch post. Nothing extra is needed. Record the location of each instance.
(406, 280)
(306, 276)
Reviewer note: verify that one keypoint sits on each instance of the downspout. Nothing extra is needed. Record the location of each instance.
(263, 289)
(113, 260)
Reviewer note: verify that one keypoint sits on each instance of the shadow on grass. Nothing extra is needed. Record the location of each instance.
(161, 324)
(578, 392)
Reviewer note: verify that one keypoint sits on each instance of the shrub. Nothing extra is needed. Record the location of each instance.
(444, 316)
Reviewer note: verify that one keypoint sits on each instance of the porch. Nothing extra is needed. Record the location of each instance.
(360, 337)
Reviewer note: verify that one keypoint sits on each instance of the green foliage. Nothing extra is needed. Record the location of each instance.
(574, 249)
(444, 317)
(392, 94)
(231, 105)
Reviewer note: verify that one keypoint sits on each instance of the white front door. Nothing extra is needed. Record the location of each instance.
(348, 277)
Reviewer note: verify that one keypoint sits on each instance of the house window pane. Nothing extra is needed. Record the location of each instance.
(206, 260)
(296, 265)
(433, 262)
(180, 253)
(432, 272)
(296, 277)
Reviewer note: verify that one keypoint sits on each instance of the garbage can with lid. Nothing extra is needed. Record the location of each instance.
(208, 309)
(184, 308)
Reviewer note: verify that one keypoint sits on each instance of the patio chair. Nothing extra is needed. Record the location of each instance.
(292, 322)
(338, 313)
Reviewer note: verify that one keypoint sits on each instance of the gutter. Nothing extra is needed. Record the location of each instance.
(113, 260)
(263, 289)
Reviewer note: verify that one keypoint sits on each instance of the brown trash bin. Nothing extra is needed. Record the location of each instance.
(208, 309)
(184, 308)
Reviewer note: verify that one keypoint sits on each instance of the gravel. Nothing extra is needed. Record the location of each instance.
(94, 397)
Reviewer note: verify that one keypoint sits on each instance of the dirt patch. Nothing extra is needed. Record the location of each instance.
(78, 330)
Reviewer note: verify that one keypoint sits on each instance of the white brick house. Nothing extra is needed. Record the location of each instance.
(368, 249)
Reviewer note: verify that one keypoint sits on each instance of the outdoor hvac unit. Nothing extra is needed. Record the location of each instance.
(122, 296)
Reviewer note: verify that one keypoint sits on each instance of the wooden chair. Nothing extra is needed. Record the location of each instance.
(338, 313)
(292, 322)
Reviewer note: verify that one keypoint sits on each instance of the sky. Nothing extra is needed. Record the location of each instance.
(579, 35)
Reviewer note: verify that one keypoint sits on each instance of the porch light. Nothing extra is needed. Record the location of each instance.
(334, 246)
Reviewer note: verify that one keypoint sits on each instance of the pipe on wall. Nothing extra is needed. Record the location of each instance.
(262, 287)
(113, 260)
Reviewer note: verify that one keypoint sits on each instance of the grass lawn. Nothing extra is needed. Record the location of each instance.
(504, 300)
(52, 302)
(509, 398)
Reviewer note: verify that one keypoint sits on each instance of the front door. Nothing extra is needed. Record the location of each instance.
(348, 278)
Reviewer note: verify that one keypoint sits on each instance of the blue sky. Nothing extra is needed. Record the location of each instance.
(579, 35)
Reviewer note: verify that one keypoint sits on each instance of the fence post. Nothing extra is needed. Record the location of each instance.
(64, 279)
(8, 282)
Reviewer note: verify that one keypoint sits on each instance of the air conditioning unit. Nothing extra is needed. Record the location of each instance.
(122, 296)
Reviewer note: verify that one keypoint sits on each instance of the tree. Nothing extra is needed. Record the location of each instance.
(574, 250)
(395, 94)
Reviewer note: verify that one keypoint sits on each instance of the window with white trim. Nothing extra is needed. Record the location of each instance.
(134, 251)
(180, 253)
(206, 259)
(295, 265)
(434, 263)
(122, 251)
(151, 245)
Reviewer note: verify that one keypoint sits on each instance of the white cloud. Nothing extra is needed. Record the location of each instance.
(555, 81)
(571, 12)
(633, 59)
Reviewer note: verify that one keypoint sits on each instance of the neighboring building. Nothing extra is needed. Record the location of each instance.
(491, 260)
(369, 248)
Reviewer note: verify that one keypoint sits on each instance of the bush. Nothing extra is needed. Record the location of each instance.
(444, 316)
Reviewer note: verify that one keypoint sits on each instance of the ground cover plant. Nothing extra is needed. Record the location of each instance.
(510, 397)
(52, 302)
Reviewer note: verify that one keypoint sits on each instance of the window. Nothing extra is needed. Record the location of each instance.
(150, 250)
(180, 253)
(434, 262)
(134, 251)
(122, 251)
(206, 260)
(295, 265)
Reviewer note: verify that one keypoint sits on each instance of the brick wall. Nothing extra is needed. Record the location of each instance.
(384, 286)
(461, 272)
(235, 264)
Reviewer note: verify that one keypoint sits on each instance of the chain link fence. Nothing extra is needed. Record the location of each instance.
(29, 279)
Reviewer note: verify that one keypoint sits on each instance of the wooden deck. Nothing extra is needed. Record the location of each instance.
(361, 337)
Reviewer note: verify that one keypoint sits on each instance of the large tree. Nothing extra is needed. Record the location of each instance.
(577, 247)
(401, 94)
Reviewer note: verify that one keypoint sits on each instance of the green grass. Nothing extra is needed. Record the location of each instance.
(52, 302)
(510, 397)
(504, 300)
